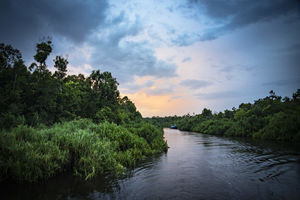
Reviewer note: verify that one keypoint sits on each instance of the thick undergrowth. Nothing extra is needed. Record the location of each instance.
(80, 146)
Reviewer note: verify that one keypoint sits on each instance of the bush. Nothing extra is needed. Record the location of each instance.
(281, 126)
(26, 154)
(85, 148)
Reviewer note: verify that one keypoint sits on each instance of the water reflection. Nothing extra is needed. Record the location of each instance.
(196, 166)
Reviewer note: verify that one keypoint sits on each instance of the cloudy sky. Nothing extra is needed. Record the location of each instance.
(169, 56)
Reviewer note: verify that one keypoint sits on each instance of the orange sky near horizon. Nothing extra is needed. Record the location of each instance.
(158, 105)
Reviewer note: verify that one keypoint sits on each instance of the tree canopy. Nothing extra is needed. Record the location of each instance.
(33, 95)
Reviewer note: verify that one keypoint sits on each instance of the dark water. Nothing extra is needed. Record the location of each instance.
(196, 166)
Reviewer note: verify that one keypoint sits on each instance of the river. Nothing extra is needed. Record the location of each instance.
(197, 166)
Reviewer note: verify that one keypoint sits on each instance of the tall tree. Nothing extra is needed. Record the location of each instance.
(60, 64)
(43, 50)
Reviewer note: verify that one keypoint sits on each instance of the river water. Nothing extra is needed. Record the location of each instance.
(197, 166)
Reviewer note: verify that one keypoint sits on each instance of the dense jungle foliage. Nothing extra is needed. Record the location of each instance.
(272, 118)
(53, 122)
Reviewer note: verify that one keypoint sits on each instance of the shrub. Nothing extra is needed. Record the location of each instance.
(85, 148)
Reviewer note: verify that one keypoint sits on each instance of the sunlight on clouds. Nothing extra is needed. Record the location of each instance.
(163, 98)
(156, 105)
(142, 79)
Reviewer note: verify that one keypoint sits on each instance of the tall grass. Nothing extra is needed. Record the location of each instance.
(81, 146)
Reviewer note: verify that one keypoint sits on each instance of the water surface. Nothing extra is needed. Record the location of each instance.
(197, 166)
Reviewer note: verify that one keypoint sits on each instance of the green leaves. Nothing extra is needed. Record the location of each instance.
(8, 56)
(43, 50)
(39, 97)
(271, 118)
(60, 64)
(85, 148)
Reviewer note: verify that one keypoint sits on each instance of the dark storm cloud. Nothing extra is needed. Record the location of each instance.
(128, 58)
(242, 13)
(77, 22)
(231, 15)
(25, 22)
(195, 84)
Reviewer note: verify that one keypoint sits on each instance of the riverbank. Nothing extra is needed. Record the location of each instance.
(197, 166)
(269, 118)
(40, 134)
(81, 147)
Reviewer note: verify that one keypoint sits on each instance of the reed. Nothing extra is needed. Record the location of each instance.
(81, 146)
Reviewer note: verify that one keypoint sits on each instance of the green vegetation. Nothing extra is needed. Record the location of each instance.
(81, 146)
(52, 123)
(271, 118)
(41, 97)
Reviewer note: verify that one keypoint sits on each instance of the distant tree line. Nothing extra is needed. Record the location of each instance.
(272, 118)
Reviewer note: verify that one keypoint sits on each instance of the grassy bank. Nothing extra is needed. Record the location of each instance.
(81, 146)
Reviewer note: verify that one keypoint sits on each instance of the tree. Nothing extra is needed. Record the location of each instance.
(296, 95)
(36, 96)
(105, 88)
(206, 112)
(8, 56)
(43, 50)
(60, 64)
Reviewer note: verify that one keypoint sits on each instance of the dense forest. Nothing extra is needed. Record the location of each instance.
(53, 122)
(271, 118)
